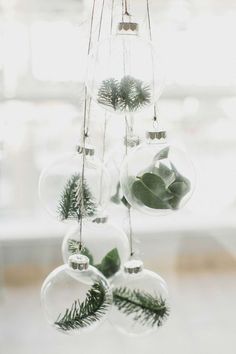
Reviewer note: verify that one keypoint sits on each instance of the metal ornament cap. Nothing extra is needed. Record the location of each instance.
(87, 150)
(128, 27)
(152, 135)
(101, 220)
(132, 141)
(78, 262)
(133, 266)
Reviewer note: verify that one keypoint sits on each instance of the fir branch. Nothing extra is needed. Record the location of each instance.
(71, 205)
(84, 314)
(128, 94)
(146, 309)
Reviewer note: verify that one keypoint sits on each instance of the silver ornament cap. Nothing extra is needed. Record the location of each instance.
(128, 27)
(101, 220)
(87, 150)
(78, 262)
(133, 266)
(158, 135)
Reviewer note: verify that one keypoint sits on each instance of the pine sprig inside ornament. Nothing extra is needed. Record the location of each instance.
(83, 314)
(129, 94)
(109, 265)
(145, 308)
(76, 200)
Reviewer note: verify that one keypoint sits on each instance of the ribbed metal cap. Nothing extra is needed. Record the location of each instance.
(128, 27)
(156, 135)
(88, 150)
(78, 262)
(101, 219)
(133, 266)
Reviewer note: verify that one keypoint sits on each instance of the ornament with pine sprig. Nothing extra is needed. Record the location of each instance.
(123, 71)
(76, 297)
(140, 300)
(65, 185)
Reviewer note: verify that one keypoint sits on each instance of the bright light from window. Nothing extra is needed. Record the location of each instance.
(58, 51)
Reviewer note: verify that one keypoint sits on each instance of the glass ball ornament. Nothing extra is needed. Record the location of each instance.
(123, 73)
(114, 162)
(140, 300)
(76, 297)
(61, 189)
(107, 246)
(157, 178)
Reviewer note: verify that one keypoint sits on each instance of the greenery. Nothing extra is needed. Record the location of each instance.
(109, 265)
(76, 200)
(146, 309)
(161, 187)
(84, 314)
(129, 94)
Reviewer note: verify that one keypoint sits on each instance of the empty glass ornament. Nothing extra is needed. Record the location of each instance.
(140, 300)
(76, 297)
(107, 246)
(123, 72)
(157, 178)
(65, 196)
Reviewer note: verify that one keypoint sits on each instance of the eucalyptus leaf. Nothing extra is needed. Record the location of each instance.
(110, 263)
(151, 191)
(162, 154)
(165, 173)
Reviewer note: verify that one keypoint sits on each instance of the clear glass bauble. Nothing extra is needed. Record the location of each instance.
(106, 245)
(140, 300)
(123, 74)
(113, 163)
(74, 300)
(157, 178)
(60, 187)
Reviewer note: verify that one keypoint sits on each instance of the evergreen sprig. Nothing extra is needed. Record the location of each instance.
(145, 308)
(84, 314)
(129, 94)
(76, 200)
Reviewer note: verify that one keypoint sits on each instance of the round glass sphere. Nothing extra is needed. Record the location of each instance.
(157, 178)
(106, 245)
(140, 300)
(113, 163)
(75, 300)
(123, 74)
(65, 196)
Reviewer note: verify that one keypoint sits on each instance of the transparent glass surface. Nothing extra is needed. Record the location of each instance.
(157, 178)
(65, 286)
(106, 245)
(113, 62)
(146, 282)
(54, 181)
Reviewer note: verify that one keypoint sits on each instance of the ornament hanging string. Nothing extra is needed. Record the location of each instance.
(129, 207)
(86, 117)
(89, 50)
(151, 38)
(105, 117)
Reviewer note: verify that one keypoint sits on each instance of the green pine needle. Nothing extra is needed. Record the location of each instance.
(84, 314)
(129, 94)
(76, 200)
(144, 308)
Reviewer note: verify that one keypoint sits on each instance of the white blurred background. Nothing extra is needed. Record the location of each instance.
(42, 69)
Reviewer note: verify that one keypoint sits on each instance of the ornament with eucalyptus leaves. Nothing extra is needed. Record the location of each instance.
(106, 247)
(157, 178)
